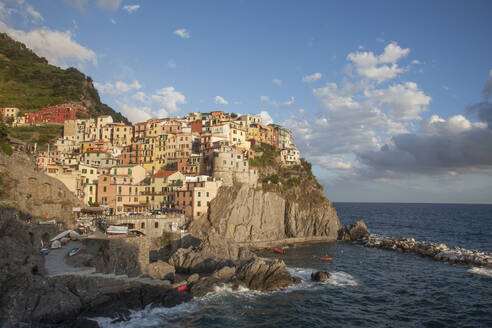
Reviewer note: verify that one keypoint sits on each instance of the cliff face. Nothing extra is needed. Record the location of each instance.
(249, 215)
(33, 192)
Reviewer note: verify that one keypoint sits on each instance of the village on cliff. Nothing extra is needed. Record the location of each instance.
(161, 165)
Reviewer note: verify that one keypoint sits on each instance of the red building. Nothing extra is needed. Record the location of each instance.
(55, 114)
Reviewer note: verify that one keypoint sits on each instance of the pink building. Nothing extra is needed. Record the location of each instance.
(195, 196)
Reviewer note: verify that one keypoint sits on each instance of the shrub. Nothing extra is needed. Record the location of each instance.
(6, 148)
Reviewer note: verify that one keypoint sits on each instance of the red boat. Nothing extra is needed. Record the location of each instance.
(326, 258)
(182, 288)
(278, 250)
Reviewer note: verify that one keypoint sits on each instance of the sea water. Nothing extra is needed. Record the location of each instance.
(368, 287)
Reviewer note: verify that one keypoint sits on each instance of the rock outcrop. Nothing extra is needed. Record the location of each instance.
(356, 231)
(160, 270)
(31, 191)
(320, 276)
(213, 253)
(260, 275)
(250, 215)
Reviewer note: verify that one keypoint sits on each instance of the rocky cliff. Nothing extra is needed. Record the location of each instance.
(248, 215)
(31, 191)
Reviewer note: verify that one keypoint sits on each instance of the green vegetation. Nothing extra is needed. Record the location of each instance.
(272, 178)
(42, 134)
(30, 83)
(267, 157)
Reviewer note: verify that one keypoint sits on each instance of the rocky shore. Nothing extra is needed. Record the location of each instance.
(438, 252)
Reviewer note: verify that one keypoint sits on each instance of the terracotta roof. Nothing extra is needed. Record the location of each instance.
(162, 174)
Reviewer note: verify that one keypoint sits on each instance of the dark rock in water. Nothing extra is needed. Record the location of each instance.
(357, 231)
(214, 253)
(320, 276)
(296, 280)
(260, 275)
(203, 286)
(160, 270)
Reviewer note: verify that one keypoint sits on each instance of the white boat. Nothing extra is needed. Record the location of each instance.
(61, 235)
(73, 251)
(56, 244)
(117, 230)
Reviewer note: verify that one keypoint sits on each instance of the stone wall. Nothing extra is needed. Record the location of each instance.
(151, 226)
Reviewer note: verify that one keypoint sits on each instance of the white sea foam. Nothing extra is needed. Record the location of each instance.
(481, 271)
(150, 316)
(342, 279)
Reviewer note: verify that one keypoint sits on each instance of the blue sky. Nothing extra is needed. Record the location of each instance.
(389, 99)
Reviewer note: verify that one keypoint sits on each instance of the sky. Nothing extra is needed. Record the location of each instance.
(390, 100)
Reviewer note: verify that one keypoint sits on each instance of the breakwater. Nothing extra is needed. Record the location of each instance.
(438, 252)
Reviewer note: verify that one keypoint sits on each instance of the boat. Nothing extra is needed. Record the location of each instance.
(117, 230)
(73, 251)
(182, 288)
(326, 258)
(278, 250)
(44, 250)
(62, 235)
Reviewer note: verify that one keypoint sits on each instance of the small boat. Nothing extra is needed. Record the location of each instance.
(44, 250)
(278, 250)
(182, 288)
(73, 251)
(326, 258)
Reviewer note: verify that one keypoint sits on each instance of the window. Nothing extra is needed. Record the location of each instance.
(142, 225)
(208, 203)
(92, 171)
(199, 194)
(156, 225)
(119, 190)
(191, 204)
(104, 189)
(90, 188)
(90, 199)
(87, 180)
(135, 199)
(84, 170)
(199, 203)
(208, 194)
(119, 199)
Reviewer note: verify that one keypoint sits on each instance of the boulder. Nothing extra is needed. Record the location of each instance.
(259, 275)
(320, 276)
(357, 231)
(160, 270)
(194, 277)
(225, 273)
(213, 253)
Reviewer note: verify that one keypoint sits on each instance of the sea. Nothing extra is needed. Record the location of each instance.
(368, 287)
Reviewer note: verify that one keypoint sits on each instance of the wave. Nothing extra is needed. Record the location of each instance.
(481, 271)
(337, 278)
(150, 316)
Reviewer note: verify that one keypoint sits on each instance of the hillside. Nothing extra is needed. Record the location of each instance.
(28, 82)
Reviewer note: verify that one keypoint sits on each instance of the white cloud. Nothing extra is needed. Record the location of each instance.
(140, 96)
(36, 17)
(266, 99)
(416, 62)
(277, 81)
(333, 162)
(379, 68)
(112, 21)
(131, 8)
(487, 90)
(169, 99)
(265, 117)
(312, 78)
(220, 100)
(403, 101)
(183, 33)
(117, 88)
(109, 4)
(289, 103)
(171, 63)
(79, 4)
(134, 113)
(457, 124)
(57, 47)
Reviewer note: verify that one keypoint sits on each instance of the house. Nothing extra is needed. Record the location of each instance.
(195, 196)
(290, 156)
(160, 192)
(9, 112)
(55, 114)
